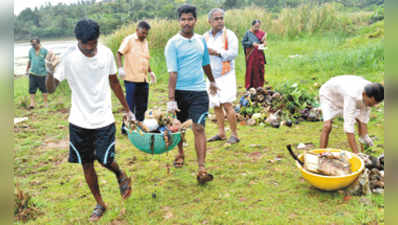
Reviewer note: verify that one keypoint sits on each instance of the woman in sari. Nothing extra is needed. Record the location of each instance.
(255, 58)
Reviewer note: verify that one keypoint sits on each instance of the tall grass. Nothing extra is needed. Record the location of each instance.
(290, 23)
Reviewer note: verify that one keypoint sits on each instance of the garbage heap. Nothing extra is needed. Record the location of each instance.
(284, 106)
(372, 178)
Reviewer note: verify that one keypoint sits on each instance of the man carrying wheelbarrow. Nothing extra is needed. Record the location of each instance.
(349, 96)
(187, 59)
(90, 70)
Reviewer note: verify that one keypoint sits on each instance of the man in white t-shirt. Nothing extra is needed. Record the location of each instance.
(349, 96)
(90, 71)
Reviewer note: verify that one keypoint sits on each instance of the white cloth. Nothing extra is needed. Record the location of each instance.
(226, 92)
(88, 79)
(342, 95)
(227, 82)
(217, 43)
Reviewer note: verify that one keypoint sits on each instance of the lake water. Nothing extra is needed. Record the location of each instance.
(21, 51)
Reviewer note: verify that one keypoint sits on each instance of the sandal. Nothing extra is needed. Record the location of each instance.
(204, 177)
(179, 161)
(125, 187)
(216, 138)
(233, 140)
(98, 212)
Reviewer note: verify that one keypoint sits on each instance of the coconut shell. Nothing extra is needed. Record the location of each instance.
(251, 122)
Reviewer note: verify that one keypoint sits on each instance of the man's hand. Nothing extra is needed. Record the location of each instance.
(121, 72)
(213, 88)
(129, 116)
(52, 61)
(27, 73)
(153, 78)
(213, 52)
(366, 140)
(172, 107)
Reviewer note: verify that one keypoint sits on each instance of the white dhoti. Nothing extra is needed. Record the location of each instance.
(227, 90)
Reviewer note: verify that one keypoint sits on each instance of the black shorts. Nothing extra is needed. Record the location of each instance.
(193, 105)
(86, 145)
(37, 82)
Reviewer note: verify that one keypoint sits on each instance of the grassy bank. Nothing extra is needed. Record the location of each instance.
(250, 186)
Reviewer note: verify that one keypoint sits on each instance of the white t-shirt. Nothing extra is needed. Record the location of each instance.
(344, 96)
(88, 78)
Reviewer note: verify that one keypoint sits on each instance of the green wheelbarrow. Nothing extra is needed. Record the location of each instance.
(152, 143)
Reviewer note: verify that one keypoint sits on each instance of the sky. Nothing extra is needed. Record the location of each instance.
(20, 5)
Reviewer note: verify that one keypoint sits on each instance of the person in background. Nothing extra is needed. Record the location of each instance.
(37, 72)
(188, 60)
(90, 70)
(352, 97)
(255, 58)
(223, 47)
(136, 68)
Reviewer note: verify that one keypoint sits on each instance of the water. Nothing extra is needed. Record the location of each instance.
(21, 51)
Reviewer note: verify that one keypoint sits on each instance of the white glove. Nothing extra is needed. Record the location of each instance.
(52, 61)
(153, 78)
(213, 88)
(27, 73)
(366, 140)
(129, 116)
(214, 101)
(122, 74)
(172, 106)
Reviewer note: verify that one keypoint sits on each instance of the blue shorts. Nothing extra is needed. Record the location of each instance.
(193, 105)
(86, 145)
(137, 98)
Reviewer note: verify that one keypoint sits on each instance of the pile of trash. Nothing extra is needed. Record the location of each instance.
(286, 105)
(372, 178)
(157, 121)
(328, 163)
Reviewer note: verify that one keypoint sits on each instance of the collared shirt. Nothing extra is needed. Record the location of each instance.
(345, 93)
(217, 43)
(187, 57)
(38, 62)
(136, 58)
(88, 79)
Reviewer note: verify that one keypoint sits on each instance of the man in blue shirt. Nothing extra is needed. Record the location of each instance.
(187, 60)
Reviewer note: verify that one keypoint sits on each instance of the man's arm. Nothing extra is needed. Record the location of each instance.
(233, 48)
(119, 59)
(172, 85)
(27, 68)
(117, 89)
(51, 83)
(209, 74)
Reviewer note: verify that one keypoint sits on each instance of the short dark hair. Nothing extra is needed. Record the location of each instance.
(144, 25)
(186, 9)
(35, 39)
(87, 30)
(256, 21)
(375, 90)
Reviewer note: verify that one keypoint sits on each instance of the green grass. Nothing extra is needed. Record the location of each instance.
(248, 188)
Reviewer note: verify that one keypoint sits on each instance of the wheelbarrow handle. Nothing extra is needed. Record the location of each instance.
(289, 148)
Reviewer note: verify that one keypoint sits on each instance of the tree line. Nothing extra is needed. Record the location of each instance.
(58, 21)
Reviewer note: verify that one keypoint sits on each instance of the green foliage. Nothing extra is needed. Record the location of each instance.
(296, 16)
